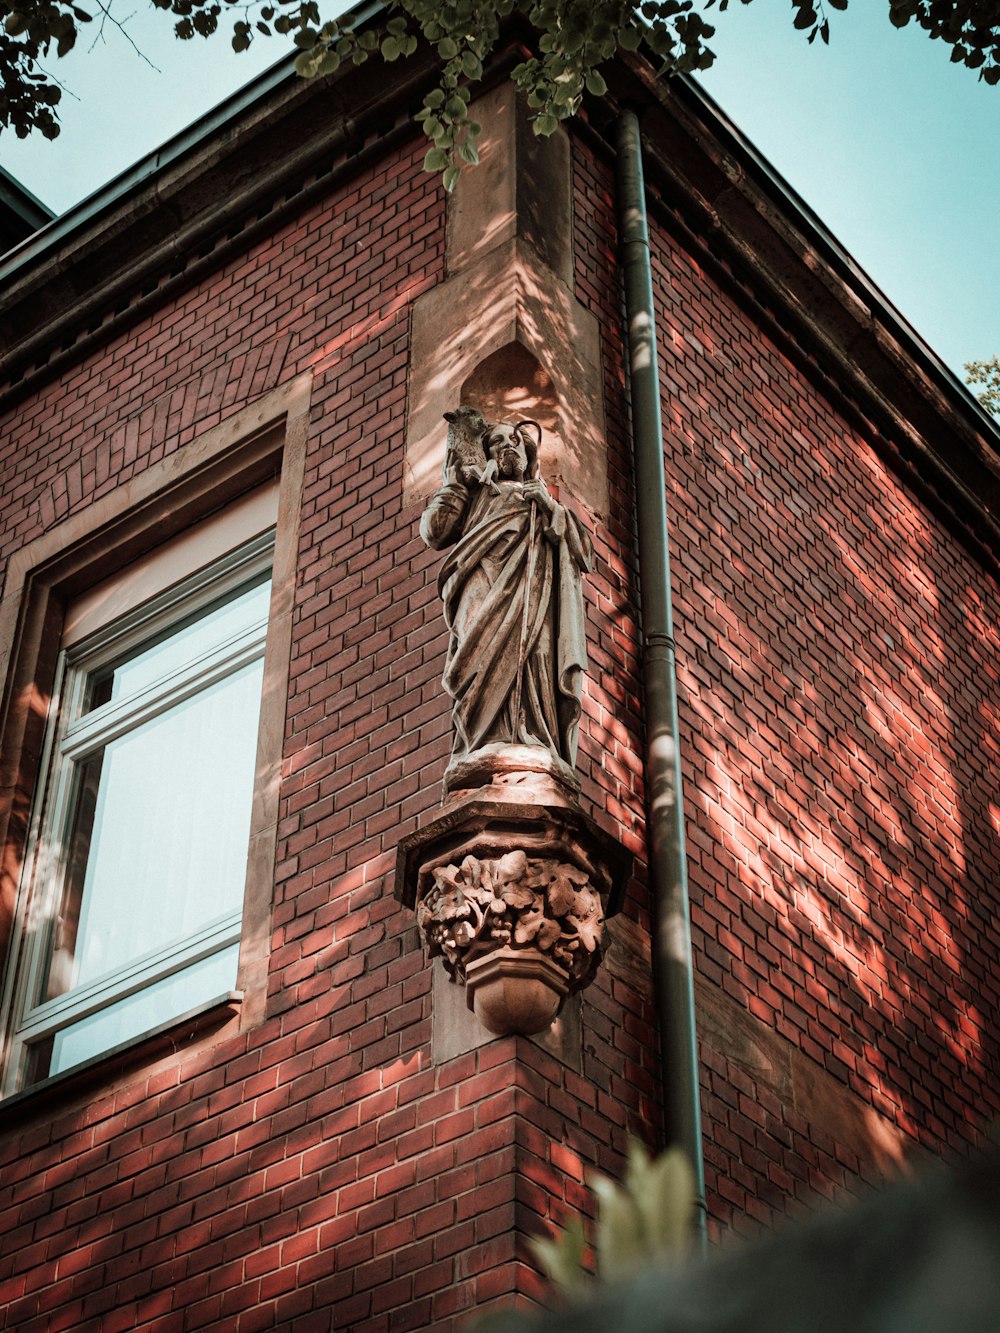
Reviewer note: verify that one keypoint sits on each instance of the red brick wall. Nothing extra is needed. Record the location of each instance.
(840, 712)
(320, 1170)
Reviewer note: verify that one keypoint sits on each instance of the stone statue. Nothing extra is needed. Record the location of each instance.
(511, 584)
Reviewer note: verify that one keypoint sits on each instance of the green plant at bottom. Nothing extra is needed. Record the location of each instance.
(643, 1221)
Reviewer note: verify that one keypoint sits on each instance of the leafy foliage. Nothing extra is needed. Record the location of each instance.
(31, 30)
(986, 373)
(644, 1221)
(575, 38)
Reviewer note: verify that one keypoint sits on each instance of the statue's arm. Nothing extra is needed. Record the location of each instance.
(565, 526)
(441, 522)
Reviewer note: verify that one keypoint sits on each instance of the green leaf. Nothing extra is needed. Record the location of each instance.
(307, 64)
(450, 179)
(647, 1218)
(447, 48)
(562, 1259)
(545, 125)
(664, 1194)
(435, 159)
(595, 84)
(618, 1239)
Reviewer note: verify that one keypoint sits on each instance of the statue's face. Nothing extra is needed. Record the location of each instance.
(508, 449)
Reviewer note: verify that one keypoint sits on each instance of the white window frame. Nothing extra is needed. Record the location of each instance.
(71, 736)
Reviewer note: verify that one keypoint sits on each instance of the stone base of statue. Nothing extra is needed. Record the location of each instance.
(505, 764)
(511, 883)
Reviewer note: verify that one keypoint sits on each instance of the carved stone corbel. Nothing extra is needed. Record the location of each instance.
(511, 885)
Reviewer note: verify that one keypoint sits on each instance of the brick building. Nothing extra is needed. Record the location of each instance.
(236, 1093)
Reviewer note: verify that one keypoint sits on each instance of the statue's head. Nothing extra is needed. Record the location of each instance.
(511, 444)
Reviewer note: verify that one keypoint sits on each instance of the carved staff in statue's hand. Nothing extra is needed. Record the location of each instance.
(511, 586)
(534, 501)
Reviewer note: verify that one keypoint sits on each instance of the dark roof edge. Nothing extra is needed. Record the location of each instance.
(827, 245)
(56, 228)
(19, 200)
(59, 227)
(279, 137)
(740, 219)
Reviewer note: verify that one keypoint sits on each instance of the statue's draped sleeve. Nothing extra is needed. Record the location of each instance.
(441, 521)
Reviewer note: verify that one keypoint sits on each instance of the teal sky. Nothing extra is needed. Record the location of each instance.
(893, 146)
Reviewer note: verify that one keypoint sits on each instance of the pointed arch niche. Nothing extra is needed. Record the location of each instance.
(510, 384)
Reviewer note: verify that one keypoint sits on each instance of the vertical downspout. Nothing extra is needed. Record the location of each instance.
(673, 966)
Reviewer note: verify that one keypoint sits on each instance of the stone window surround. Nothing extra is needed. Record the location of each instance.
(258, 443)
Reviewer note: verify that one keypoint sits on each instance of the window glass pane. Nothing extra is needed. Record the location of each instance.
(67, 923)
(145, 837)
(147, 1009)
(181, 645)
(165, 849)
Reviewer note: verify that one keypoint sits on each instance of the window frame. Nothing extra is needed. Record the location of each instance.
(107, 537)
(73, 735)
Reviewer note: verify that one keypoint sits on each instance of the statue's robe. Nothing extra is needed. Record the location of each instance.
(511, 585)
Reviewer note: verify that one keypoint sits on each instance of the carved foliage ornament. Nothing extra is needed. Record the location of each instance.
(541, 904)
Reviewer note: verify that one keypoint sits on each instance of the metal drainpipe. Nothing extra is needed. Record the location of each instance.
(673, 967)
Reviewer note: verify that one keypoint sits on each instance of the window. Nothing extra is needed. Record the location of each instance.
(137, 863)
(132, 652)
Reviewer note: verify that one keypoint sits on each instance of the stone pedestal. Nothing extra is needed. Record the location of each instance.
(511, 884)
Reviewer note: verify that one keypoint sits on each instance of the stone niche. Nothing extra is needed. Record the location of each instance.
(511, 383)
(505, 331)
(511, 885)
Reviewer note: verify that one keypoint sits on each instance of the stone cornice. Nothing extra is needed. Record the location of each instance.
(78, 279)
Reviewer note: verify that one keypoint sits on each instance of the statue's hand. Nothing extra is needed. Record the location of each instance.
(537, 491)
